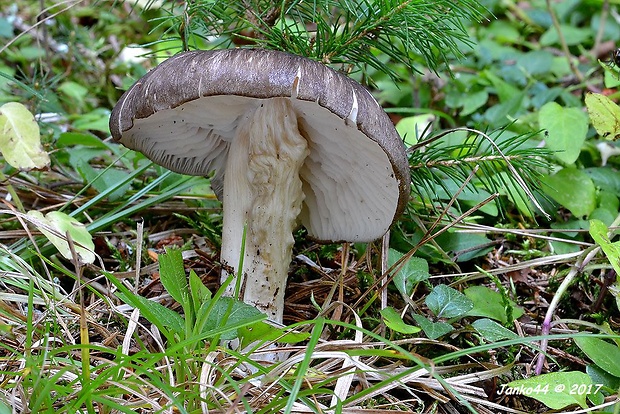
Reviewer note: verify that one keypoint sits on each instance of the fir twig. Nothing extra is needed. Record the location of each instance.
(339, 32)
(523, 165)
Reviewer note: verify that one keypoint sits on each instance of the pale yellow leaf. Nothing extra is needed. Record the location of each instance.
(55, 225)
(20, 139)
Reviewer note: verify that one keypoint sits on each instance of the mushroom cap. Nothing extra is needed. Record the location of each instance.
(183, 115)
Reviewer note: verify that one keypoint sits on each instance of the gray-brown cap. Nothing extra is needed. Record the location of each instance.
(183, 115)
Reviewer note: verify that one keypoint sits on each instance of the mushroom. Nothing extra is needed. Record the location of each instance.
(290, 141)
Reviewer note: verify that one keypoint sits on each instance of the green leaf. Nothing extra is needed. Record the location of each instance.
(30, 53)
(432, 330)
(492, 331)
(200, 294)
(608, 201)
(604, 354)
(7, 74)
(6, 31)
(6, 77)
(96, 120)
(556, 390)
(501, 114)
(472, 101)
(4, 409)
(393, 321)
(102, 180)
(572, 35)
(228, 312)
(414, 271)
(504, 90)
(612, 80)
(20, 139)
(573, 189)
(600, 376)
(166, 320)
(515, 194)
(604, 115)
(469, 196)
(504, 32)
(74, 91)
(172, 275)
(537, 62)
(262, 331)
(603, 215)
(110, 178)
(598, 231)
(446, 302)
(489, 303)
(465, 246)
(411, 128)
(567, 129)
(56, 223)
(70, 139)
(605, 178)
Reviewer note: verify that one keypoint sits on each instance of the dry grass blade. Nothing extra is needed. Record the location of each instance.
(335, 366)
(537, 233)
(429, 235)
(343, 385)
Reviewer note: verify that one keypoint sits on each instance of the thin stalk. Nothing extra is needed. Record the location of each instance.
(428, 236)
(12, 192)
(84, 337)
(563, 44)
(586, 256)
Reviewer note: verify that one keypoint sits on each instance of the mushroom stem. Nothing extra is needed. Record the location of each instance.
(262, 189)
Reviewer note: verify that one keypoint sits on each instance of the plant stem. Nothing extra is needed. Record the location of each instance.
(585, 258)
(12, 193)
(562, 40)
(587, 255)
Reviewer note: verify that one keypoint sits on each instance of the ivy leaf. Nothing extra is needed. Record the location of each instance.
(415, 270)
(20, 139)
(492, 331)
(432, 330)
(447, 302)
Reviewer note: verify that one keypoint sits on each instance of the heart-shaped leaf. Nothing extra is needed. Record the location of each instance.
(566, 130)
